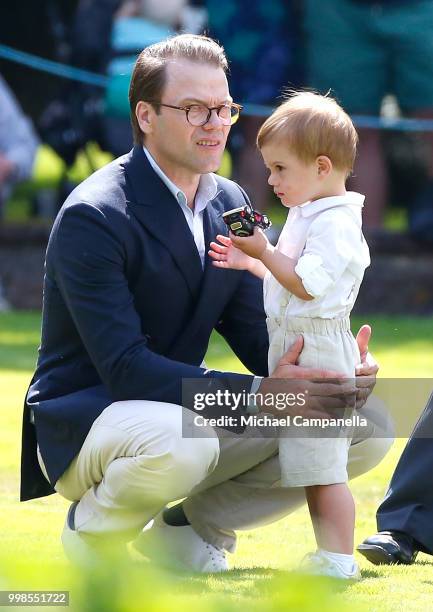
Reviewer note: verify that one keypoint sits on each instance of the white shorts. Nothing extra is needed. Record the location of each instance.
(307, 459)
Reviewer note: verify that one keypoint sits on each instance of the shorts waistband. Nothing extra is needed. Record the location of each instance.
(312, 326)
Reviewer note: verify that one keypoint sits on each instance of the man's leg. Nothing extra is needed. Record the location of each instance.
(133, 461)
(405, 517)
(222, 504)
(172, 541)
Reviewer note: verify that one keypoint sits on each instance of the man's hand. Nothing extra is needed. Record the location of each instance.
(366, 371)
(225, 255)
(325, 391)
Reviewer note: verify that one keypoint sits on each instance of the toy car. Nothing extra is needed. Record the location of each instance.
(244, 219)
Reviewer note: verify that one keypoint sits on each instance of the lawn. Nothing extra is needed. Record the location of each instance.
(33, 557)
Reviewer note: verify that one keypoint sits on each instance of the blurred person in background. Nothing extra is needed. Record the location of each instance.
(363, 50)
(18, 145)
(136, 24)
(259, 38)
(105, 37)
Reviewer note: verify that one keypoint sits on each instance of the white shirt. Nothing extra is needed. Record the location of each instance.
(325, 237)
(207, 191)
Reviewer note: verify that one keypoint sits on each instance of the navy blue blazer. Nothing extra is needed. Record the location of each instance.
(128, 310)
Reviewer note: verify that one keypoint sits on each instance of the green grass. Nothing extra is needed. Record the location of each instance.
(33, 557)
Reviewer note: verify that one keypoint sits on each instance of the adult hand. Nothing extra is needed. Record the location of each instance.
(367, 370)
(323, 393)
(225, 255)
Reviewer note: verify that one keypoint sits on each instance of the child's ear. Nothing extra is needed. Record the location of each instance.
(324, 165)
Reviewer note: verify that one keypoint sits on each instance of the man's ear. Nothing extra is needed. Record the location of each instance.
(145, 113)
(324, 165)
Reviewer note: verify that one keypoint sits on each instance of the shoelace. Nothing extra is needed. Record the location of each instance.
(217, 555)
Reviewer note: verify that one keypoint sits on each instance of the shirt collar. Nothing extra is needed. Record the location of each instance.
(207, 187)
(350, 198)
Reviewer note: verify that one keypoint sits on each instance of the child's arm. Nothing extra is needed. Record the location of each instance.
(225, 255)
(334, 242)
(280, 266)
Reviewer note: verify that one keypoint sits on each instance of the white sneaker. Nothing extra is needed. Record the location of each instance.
(179, 548)
(316, 564)
(87, 549)
(76, 547)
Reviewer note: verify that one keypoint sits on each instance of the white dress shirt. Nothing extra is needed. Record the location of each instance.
(325, 237)
(207, 191)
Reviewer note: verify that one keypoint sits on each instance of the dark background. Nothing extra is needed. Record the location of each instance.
(30, 25)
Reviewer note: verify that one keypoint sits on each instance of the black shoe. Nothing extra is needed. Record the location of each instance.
(389, 548)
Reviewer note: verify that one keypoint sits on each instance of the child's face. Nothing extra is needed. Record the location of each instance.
(292, 180)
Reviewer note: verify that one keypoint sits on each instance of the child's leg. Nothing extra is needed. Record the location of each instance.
(332, 511)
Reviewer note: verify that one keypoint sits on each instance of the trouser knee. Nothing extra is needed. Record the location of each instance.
(177, 471)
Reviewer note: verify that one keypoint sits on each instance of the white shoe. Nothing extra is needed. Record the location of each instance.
(317, 564)
(76, 547)
(179, 548)
(88, 549)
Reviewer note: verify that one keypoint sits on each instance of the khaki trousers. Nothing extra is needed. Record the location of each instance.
(135, 460)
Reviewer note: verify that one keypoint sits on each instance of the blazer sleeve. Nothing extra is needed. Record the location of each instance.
(90, 272)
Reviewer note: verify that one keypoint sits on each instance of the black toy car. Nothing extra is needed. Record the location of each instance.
(244, 219)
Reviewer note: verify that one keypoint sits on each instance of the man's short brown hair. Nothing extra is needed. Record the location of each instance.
(149, 75)
(312, 125)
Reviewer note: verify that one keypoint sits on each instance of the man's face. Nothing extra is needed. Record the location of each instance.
(183, 150)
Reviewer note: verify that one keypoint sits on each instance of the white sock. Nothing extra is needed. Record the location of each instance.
(346, 562)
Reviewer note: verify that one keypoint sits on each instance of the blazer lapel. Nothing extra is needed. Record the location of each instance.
(214, 279)
(213, 225)
(155, 207)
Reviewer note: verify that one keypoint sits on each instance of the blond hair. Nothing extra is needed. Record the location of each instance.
(312, 125)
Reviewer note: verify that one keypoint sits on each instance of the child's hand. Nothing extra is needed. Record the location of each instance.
(254, 245)
(225, 255)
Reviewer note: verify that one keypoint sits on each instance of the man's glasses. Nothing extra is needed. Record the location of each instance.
(198, 114)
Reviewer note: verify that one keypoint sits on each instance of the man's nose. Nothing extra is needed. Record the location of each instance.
(214, 120)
